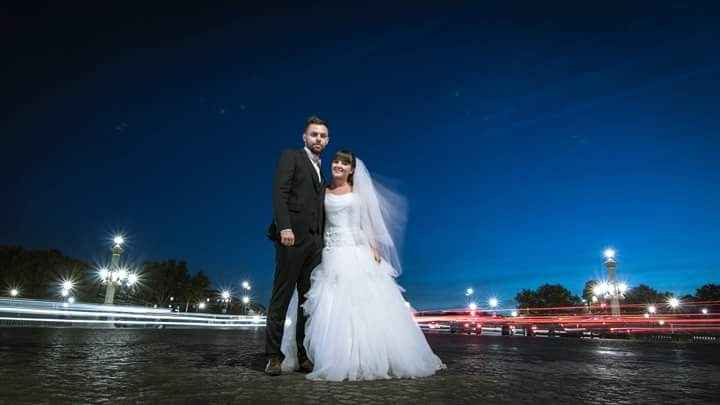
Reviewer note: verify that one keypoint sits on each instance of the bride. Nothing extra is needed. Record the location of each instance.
(359, 326)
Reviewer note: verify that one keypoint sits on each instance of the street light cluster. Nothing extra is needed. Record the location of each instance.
(117, 275)
(606, 289)
(120, 276)
(226, 296)
(673, 303)
(493, 302)
(66, 287)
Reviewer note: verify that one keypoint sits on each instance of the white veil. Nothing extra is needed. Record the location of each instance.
(384, 217)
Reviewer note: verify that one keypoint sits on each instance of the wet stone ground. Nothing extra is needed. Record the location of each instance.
(226, 366)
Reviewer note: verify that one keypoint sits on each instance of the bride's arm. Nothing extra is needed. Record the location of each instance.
(366, 226)
(376, 254)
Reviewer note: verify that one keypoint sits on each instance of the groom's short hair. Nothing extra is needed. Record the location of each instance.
(314, 119)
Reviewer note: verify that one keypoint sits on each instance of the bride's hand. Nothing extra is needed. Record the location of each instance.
(376, 255)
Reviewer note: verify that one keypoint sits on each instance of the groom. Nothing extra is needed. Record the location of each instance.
(297, 231)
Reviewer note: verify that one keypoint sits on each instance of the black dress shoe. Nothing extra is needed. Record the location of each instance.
(306, 366)
(274, 367)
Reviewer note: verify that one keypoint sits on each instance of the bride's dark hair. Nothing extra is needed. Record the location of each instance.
(347, 157)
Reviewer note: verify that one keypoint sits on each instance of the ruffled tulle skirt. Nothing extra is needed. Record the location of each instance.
(359, 325)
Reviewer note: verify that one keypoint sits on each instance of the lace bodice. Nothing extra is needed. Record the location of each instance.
(343, 220)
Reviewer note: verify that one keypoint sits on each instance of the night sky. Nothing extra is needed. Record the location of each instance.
(527, 138)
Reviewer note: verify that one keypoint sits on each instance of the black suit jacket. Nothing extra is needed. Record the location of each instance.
(298, 197)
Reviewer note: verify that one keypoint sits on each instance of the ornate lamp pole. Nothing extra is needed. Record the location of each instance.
(116, 276)
(114, 273)
(611, 265)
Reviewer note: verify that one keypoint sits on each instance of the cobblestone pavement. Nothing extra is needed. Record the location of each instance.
(223, 366)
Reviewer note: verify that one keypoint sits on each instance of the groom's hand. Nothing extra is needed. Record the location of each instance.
(287, 237)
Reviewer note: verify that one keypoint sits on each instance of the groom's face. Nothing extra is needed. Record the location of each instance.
(316, 138)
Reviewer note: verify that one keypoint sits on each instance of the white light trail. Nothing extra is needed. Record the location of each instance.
(124, 322)
(188, 316)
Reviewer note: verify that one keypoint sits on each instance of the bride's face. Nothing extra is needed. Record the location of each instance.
(340, 169)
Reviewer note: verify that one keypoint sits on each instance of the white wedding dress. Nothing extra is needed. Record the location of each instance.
(359, 325)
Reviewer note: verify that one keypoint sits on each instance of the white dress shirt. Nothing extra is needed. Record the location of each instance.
(315, 160)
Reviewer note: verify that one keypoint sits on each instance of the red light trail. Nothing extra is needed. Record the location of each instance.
(664, 321)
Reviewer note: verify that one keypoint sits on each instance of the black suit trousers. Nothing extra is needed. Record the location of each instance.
(293, 266)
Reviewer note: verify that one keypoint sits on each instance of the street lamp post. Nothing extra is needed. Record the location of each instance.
(470, 300)
(117, 250)
(493, 302)
(66, 288)
(225, 295)
(246, 299)
(611, 265)
(116, 276)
